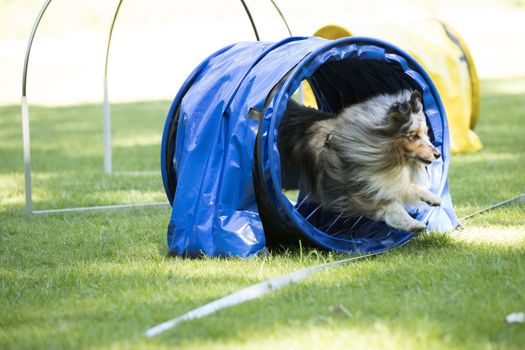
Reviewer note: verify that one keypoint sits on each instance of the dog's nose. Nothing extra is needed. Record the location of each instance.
(437, 154)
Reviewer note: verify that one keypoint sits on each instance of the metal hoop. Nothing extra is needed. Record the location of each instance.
(106, 108)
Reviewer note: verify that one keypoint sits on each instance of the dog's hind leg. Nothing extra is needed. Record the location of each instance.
(397, 217)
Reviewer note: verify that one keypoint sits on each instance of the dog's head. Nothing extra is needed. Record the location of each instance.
(407, 126)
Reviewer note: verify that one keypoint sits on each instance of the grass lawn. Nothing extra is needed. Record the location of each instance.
(100, 279)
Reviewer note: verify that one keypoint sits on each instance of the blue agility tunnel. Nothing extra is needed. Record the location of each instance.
(220, 163)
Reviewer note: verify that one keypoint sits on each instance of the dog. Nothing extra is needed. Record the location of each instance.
(368, 160)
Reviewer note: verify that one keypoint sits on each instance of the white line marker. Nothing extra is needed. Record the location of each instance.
(250, 293)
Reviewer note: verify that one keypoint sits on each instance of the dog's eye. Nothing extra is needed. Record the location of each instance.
(413, 137)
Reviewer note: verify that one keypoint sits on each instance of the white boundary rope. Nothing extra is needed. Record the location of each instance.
(257, 290)
(250, 293)
(516, 199)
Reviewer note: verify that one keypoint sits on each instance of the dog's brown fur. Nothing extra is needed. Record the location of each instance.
(367, 160)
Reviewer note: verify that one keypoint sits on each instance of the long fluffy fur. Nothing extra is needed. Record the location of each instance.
(367, 160)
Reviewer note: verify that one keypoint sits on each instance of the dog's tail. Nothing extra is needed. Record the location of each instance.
(295, 125)
(295, 130)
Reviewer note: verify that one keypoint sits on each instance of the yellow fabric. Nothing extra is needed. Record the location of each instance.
(447, 62)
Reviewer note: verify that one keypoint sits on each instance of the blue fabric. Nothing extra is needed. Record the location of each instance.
(215, 211)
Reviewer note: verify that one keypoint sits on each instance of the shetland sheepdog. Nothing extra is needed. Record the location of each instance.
(368, 160)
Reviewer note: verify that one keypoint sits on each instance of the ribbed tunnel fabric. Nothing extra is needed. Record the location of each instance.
(219, 159)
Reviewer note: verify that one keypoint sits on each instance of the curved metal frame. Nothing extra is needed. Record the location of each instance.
(106, 123)
(106, 113)
(25, 113)
(251, 20)
(282, 16)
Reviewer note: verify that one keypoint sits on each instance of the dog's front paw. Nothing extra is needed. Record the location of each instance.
(417, 227)
(432, 200)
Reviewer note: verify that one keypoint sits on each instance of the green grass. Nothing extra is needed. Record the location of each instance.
(100, 279)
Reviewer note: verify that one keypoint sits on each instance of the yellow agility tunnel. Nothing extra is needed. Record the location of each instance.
(446, 58)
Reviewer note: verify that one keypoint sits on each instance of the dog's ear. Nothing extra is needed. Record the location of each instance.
(415, 101)
(397, 117)
(399, 112)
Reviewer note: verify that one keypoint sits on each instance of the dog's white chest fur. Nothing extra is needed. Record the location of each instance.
(396, 184)
(392, 184)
